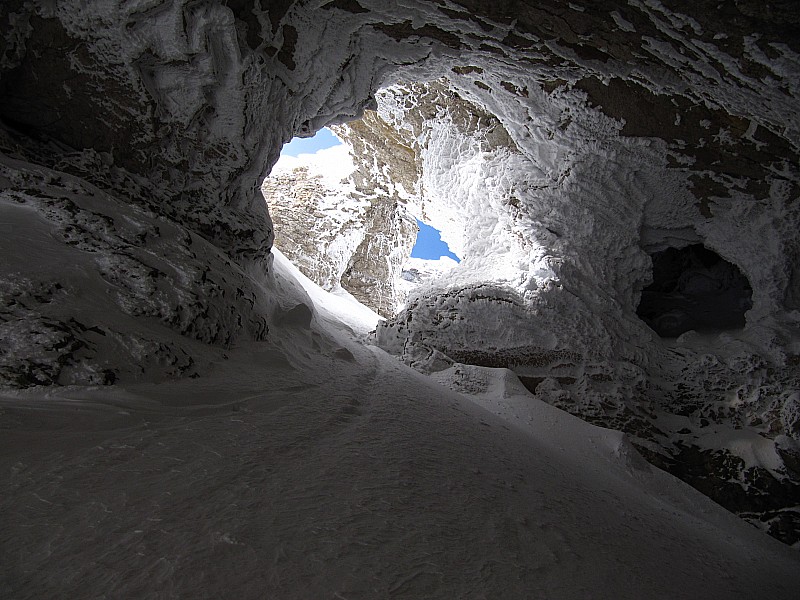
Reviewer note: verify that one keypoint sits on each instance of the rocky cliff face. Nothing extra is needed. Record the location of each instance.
(559, 145)
(338, 231)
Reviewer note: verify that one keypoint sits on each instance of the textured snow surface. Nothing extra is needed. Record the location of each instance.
(316, 467)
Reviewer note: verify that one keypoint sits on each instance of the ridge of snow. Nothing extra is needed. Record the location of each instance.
(333, 165)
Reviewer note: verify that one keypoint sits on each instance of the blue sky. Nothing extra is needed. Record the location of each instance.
(323, 139)
(429, 243)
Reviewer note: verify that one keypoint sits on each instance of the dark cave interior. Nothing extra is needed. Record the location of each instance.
(694, 289)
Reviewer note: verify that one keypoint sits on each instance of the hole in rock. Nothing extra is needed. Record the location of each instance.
(429, 244)
(353, 230)
(694, 289)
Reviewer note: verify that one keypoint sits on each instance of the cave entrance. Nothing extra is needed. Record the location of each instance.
(353, 230)
(694, 288)
(321, 140)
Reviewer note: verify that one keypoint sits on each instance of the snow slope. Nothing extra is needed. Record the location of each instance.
(314, 466)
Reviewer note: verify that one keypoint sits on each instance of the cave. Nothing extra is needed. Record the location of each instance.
(694, 289)
(217, 376)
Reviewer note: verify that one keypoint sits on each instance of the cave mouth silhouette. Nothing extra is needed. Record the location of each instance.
(694, 288)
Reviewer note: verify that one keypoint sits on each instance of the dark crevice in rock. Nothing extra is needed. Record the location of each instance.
(277, 10)
(404, 30)
(286, 53)
(351, 6)
(694, 288)
(244, 11)
(587, 52)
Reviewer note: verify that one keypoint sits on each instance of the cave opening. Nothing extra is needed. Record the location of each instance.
(694, 288)
(365, 237)
(322, 139)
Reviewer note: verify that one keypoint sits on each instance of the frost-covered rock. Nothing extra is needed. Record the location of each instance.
(340, 234)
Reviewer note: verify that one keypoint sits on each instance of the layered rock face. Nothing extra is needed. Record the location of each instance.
(557, 145)
(339, 232)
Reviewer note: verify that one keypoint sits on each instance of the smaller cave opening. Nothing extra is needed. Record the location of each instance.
(696, 289)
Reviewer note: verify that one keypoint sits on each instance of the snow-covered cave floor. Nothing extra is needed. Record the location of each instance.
(314, 466)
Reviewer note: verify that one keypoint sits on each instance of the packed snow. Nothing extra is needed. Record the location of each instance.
(315, 466)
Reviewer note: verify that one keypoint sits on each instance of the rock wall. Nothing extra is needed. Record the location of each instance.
(339, 232)
(576, 138)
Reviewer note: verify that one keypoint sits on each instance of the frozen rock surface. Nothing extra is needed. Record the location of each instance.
(339, 233)
(182, 417)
